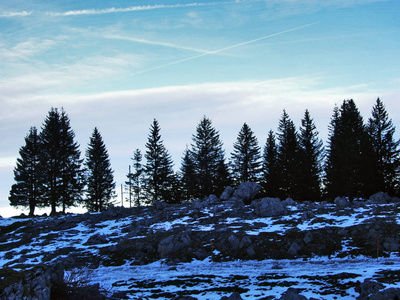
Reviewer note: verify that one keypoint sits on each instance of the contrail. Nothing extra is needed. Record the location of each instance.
(223, 49)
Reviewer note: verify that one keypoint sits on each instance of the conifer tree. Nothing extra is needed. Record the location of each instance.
(246, 157)
(349, 168)
(187, 175)
(288, 157)
(271, 180)
(158, 169)
(99, 176)
(212, 175)
(387, 153)
(63, 176)
(310, 160)
(26, 191)
(136, 176)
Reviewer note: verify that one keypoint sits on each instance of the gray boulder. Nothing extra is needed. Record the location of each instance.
(234, 296)
(391, 293)
(380, 198)
(342, 202)
(247, 191)
(268, 207)
(292, 294)
(367, 288)
(227, 193)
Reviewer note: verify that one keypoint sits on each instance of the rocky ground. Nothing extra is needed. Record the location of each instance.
(208, 249)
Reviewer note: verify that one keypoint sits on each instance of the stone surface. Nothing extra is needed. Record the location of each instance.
(247, 191)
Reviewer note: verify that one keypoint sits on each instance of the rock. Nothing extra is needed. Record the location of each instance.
(368, 287)
(380, 198)
(234, 296)
(247, 191)
(38, 283)
(292, 294)
(97, 239)
(160, 205)
(268, 207)
(294, 248)
(234, 242)
(308, 238)
(289, 202)
(227, 193)
(342, 202)
(212, 199)
(391, 293)
(245, 242)
(184, 298)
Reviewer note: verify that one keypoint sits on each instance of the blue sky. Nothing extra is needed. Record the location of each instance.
(119, 64)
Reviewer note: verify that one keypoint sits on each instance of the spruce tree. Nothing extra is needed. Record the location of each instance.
(246, 157)
(212, 174)
(387, 153)
(349, 167)
(288, 157)
(187, 175)
(271, 179)
(63, 176)
(99, 176)
(136, 177)
(310, 160)
(26, 191)
(159, 175)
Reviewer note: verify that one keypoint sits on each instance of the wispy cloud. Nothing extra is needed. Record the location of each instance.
(155, 43)
(133, 8)
(15, 14)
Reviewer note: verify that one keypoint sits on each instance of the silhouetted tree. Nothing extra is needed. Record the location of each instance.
(288, 157)
(212, 174)
(63, 176)
(387, 153)
(349, 166)
(159, 175)
(99, 176)
(26, 191)
(136, 177)
(271, 180)
(246, 157)
(311, 156)
(188, 176)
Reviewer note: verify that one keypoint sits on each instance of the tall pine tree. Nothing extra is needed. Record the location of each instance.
(63, 177)
(99, 175)
(311, 156)
(246, 157)
(271, 179)
(26, 191)
(288, 157)
(187, 175)
(349, 167)
(135, 178)
(158, 169)
(387, 153)
(212, 174)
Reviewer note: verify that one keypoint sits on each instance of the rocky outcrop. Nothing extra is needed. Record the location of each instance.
(36, 284)
(268, 207)
(247, 191)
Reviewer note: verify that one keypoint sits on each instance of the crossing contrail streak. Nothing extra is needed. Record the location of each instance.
(223, 49)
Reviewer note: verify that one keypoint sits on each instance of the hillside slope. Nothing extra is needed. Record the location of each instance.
(211, 248)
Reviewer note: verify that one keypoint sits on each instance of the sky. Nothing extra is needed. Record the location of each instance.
(117, 65)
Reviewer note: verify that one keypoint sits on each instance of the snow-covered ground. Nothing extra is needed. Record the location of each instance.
(321, 277)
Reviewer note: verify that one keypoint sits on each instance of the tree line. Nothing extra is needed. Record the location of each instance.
(51, 173)
(358, 160)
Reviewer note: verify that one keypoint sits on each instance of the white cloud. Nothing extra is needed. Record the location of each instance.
(133, 8)
(15, 14)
